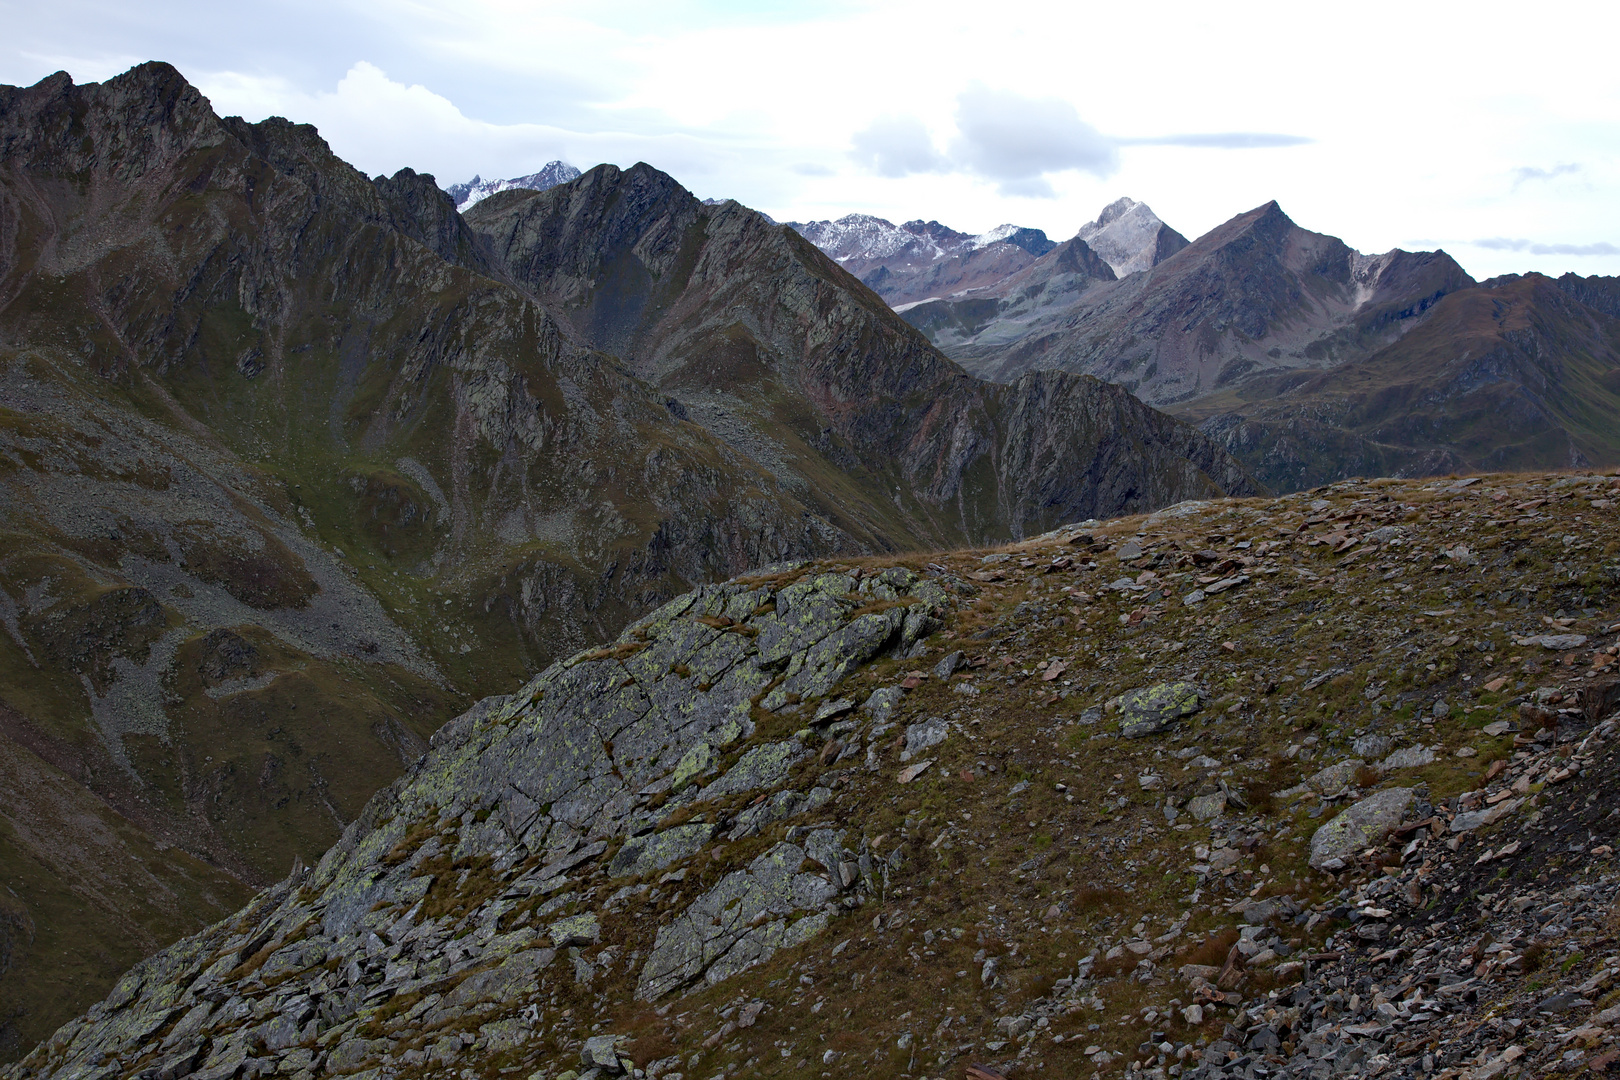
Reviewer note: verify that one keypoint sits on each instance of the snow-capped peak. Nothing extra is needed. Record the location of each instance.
(477, 190)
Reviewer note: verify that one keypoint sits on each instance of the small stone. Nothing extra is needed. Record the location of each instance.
(1205, 807)
(948, 665)
(1407, 757)
(920, 737)
(1466, 752)
(911, 772)
(601, 1052)
(1195, 597)
(1372, 746)
(1129, 550)
(881, 702)
(831, 709)
(1498, 728)
(1553, 642)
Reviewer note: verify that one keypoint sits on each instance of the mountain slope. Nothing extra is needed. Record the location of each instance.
(293, 465)
(1518, 374)
(1256, 294)
(757, 335)
(289, 477)
(752, 838)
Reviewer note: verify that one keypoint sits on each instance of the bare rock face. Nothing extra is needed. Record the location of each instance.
(526, 793)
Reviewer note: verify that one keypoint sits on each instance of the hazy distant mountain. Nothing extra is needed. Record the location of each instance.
(476, 190)
(1130, 237)
(1256, 294)
(922, 259)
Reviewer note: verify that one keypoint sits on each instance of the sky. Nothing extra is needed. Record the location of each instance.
(1490, 130)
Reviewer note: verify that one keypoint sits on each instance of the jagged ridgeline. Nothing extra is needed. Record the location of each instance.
(296, 464)
(467, 888)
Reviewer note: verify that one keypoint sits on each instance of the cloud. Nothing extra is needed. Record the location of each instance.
(1017, 140)
(1527, 172)
(896, 146)
(379, 125)
(811, 168)
(1502, 243)
(1223, 140)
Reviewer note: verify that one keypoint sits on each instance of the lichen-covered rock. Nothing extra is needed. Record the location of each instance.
(920, 737)
(584, 929)
(741, 921)
(1360, 825)
(762, 766)
(465, 880)
(779, 807)
(655, 851)
(1152, 709)
(881, 703)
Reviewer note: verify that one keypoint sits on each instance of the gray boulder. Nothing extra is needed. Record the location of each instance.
(1152, 709)
(1361, 825)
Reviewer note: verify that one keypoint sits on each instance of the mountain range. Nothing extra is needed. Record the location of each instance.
(1309, 360)
(298, 463)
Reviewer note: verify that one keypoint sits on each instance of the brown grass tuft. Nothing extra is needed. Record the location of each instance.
(1211, 952)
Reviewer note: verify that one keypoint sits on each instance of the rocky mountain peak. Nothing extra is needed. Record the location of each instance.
(474, 191)
(1130, 237)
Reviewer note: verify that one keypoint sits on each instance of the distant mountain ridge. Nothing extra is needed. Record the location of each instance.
(921, 259)
(474, 191)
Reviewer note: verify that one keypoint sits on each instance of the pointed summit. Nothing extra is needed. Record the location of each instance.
(1130, 237)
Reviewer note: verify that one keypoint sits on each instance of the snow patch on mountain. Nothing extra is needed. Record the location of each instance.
(866, 237)
(477, 189)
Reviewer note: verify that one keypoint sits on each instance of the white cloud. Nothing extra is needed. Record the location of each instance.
(896, 146)
(1017, 141)
(380, 126)
(1501, 243)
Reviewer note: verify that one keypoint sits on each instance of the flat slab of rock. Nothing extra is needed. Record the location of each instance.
(920, 737)
(1407, 757)
(1557, 642)
(1153, 709)
(1361, 825)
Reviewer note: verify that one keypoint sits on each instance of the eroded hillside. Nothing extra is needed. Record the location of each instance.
(1316, 785)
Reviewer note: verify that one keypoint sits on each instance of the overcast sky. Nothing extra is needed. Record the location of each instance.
(1490, 130)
